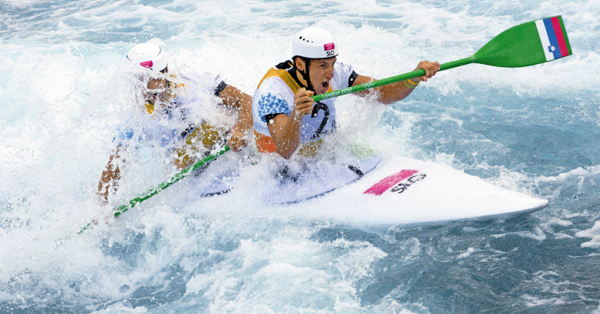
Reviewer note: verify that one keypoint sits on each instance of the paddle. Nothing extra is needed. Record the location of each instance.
(523, 45)
(153, 191)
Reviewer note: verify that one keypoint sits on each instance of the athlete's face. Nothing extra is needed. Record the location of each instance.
(321, 73)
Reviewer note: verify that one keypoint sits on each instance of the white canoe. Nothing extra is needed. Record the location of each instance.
(401, 190)
(390, 191)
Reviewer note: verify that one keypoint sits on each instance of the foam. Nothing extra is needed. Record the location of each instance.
(592, 233)
(66, 89)
(537, 234)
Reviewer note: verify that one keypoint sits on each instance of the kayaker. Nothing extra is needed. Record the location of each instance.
(286, 119)
(168, 118)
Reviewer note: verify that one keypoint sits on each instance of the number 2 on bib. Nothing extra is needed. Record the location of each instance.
(315, 112)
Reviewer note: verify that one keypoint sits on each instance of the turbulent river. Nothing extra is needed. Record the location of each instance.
(535, 130)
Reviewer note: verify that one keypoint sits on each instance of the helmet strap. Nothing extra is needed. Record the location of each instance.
(305, 74)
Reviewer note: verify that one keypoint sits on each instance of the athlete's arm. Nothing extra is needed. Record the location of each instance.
(285, 130)
(241, 101)
(394, 92)
(110, 176)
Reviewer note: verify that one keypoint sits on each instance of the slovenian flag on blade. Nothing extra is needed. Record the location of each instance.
(553, 37)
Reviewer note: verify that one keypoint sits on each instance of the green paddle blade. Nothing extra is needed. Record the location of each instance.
(523, 45)
(527, 44)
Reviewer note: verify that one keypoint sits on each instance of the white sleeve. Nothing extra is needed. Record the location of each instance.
(208, 83)
(343, 76)
(272, 97)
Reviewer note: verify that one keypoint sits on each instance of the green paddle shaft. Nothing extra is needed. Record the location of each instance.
(199, 164)
(151, 192)
(523, 45)
(390, 80)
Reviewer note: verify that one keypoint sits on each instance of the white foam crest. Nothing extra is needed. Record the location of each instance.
(592, 233)
(514, 180)
(61, 102)
(268, 268)
(553, 79)
(13, 138)
(23, 3)
(426, 21)
(467, 253)
(122, 307)
(423, 28)
(547, 226)
(536, 234)
(51, 143)
(557, 289)
(572, 175)
(533, 301)
(357, 263)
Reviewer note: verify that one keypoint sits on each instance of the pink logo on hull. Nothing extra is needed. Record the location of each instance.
(147, 64)
(388, 182)
(329, 46)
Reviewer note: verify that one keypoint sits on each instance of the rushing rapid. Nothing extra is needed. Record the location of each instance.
(534, 130)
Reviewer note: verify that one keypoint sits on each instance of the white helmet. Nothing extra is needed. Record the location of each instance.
(149, 56)
(314, 43)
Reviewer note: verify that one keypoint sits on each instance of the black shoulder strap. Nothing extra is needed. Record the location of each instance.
(352, 78)
(284, 65)
(220, 88)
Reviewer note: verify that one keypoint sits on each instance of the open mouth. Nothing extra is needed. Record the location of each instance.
(325, 85)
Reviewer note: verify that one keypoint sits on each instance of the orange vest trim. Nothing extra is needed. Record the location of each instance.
(264, 143)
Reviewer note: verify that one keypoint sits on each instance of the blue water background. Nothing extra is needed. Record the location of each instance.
(534, 130)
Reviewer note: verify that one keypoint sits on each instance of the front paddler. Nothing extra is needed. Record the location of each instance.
(285, 116)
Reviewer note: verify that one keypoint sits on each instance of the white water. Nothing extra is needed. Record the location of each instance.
(531, 129)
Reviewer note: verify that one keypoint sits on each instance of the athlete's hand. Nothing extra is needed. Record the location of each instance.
(237, 141)
(430, 69)
(303, 103)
